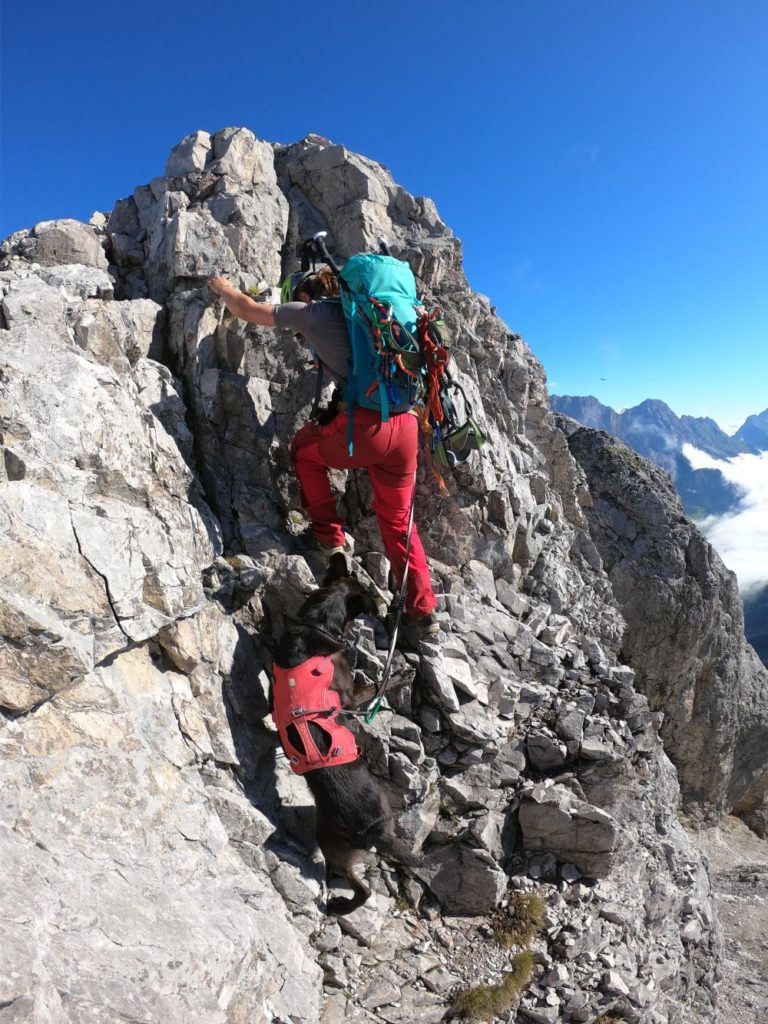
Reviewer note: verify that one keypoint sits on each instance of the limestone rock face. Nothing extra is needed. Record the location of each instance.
(95, 905)
(102, 542)
(158, 854)
(217, 211)
(685, 631)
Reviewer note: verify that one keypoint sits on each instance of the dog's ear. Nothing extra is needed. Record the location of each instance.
(337, 569)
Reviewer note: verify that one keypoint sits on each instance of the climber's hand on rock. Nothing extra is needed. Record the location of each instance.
(220, 286)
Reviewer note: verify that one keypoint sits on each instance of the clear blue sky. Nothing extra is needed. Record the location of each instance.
(605, 162)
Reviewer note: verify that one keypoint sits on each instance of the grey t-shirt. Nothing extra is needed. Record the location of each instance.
(323, 326)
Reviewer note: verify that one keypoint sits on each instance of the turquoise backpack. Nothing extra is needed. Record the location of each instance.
(399, 355)
(381, 308)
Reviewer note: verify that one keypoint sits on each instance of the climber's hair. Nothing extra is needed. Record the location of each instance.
(321, 285)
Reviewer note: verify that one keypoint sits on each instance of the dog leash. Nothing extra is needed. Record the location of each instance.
(373, 710)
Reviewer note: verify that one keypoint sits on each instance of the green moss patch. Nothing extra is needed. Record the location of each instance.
(523, 921)
(484, 1002)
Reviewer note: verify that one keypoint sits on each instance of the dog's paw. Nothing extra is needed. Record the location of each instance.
(339, 906)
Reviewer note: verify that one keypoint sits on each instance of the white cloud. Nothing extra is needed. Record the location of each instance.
(740, 537)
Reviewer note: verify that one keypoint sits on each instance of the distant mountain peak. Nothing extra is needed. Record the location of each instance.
(754, 431)
(655, 404)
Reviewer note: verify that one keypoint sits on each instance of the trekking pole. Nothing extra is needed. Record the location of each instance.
(319, 239)
(308, 253)
(383, 246)
(373, 710)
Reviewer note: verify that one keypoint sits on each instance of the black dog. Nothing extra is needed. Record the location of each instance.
(352, 811)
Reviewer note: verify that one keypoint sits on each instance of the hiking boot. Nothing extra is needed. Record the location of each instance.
(414, 629)
(328, 552)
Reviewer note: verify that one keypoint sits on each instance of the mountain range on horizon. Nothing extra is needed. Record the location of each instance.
(654, 416)
(657, 433)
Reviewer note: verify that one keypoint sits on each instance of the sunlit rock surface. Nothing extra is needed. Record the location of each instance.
(157, 850)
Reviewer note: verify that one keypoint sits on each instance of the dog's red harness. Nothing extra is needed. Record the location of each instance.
(302, 695)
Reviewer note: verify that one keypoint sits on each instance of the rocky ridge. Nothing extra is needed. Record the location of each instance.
(673, 589)
(155, 842)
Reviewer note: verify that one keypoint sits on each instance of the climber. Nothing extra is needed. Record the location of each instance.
(388, 450)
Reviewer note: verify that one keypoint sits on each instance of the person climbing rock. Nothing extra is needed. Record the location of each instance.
(388, 450)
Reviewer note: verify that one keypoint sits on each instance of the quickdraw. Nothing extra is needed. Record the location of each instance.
(436, 358)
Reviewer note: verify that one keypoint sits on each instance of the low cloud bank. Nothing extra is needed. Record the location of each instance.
(740, 537)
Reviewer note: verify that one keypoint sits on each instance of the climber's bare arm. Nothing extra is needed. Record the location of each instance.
(244, 307)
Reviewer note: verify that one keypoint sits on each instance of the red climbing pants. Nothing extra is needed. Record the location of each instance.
(389, 452)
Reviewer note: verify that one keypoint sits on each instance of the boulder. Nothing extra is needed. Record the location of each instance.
(105, 546)
(464, 880)
(189, 155)
(554, 819)
(139, 875)
(68, 241)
